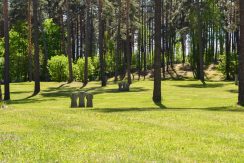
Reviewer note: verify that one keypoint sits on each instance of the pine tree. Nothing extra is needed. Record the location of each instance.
(36, 47)
(6, 55)
(241, 56)
(157, 97)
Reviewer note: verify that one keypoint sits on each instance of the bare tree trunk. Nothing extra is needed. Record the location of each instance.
(157, 97)
(241, 56)
(81, 35)
(101, 43)
(87, 47)
(29, 42)
(118, 40)
(36, 48)
(200, 45)
(128, 41)
(69, 48)
(6, 55)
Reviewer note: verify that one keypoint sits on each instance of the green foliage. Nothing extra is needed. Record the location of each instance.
(58, 68)
(109, 62)
(233, 65)
(81, 65)
(178, 50)
(1, 67)
(18, 52)
(51, 38)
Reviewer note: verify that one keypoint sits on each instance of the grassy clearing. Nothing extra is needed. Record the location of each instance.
(195, 123)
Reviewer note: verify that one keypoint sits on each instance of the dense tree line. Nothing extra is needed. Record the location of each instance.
(115, 38)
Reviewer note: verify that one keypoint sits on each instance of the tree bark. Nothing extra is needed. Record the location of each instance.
(69, 47)
(6, 55)
(128, 41)
(87, 47)
(157, 97)
(29, 42)
(118, 43)
(81, 34)
(200, 45)
(36, 48)
(101, 43)
(241, 56)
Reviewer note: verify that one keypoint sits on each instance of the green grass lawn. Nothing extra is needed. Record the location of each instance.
(194, 124)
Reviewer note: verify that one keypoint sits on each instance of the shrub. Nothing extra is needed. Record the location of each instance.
(58, 68)
(81, 65)
(233, 65)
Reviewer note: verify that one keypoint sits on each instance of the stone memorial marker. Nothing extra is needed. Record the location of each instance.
(82, 96)
(74, 97)
(89, 98)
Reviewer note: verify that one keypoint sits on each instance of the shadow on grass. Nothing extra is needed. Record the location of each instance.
(212, 85)
(164, 109)
(117, 110)
(132, 90)
(233, 91)
(217, 109)
(66, 91)
(29, 100)
(21, 92)
(160, 105)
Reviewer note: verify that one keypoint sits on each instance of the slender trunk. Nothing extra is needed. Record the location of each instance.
(101, 43)
(69, 42)
(6, 55)
(73, 39)
(183, 50)
(81, 35)
(29, 42)
(118, 43)
(87, 50)
(128, 42)
(227, 50)
(63, 48)
(36, 48)
(145, 46)
(77, 37)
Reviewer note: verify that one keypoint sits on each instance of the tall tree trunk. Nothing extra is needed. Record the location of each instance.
(6, 55)
(200, 45)
(36, 48)
(227, 50)
(118, 43)
(183, 50)
(73, 39)
(29, 42)
(128, 42)
(157, 97)
(101, 43)
(87, 47)
(145, 45)
(163, 40)
(241, 56)
(81, 34)
(69, 48)
(63, 44)
(77, 37)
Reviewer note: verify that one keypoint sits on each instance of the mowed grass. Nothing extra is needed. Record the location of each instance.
(194, 124)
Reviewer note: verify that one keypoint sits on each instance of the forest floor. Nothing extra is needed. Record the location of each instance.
(180, 72)
(195, 123)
